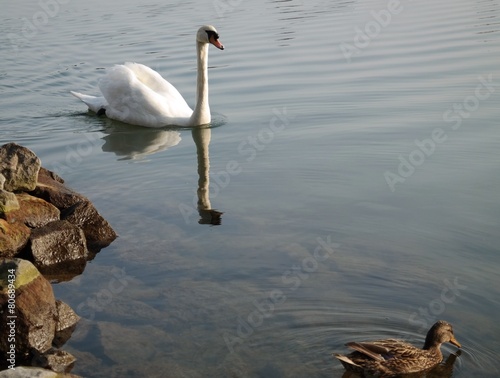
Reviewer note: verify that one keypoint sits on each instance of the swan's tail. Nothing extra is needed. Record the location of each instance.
(96, 104)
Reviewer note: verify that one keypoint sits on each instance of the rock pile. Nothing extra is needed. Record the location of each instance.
(46, 231)
(43, 220)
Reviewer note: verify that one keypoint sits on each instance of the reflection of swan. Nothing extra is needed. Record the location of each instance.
(136, 94)
(132, 142)
(201, 137)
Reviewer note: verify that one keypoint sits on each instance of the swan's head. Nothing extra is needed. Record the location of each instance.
(208, 34)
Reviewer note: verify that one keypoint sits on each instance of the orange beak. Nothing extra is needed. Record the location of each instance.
(455, 342)
(216, 43)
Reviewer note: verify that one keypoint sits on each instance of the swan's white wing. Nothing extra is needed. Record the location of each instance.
(157, 83)
(138, 95)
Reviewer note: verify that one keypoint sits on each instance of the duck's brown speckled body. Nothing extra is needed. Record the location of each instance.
(391, 357)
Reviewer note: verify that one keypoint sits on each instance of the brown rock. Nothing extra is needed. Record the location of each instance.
(97, 230)
(76, 209)
(13, 238)
(22, 286)
(19, 166)
(33, 211)
(59, 247)
(50, 187)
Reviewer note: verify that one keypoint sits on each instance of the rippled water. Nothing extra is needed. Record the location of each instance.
(354, 154)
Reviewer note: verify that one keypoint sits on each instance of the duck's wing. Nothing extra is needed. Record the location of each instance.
(374, 351)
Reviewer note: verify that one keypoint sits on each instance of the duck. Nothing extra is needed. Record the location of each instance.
(392, 358)
(136, 94)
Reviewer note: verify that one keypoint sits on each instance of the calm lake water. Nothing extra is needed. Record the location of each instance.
(353, 153)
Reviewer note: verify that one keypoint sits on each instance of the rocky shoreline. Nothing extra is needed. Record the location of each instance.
(48, 232)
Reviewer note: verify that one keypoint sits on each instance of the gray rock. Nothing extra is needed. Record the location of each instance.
(19, 166)
(59, 248)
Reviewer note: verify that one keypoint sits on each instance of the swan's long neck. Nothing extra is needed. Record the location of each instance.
(201, 114)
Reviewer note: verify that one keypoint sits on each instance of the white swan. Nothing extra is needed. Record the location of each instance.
(136, 94)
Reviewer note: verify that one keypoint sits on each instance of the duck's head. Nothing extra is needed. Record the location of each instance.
(441, 332)
(208, 34)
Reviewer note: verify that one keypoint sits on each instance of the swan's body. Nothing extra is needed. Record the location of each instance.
(136, 94)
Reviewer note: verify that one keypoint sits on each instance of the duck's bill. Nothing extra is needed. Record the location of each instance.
(455, 342)
(216, 43)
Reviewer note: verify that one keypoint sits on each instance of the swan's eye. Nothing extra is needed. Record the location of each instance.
(211, 33)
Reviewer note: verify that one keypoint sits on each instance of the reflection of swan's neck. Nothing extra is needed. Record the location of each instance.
(201, 138)
(201, 114)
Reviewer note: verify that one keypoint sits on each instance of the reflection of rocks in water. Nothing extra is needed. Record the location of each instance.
(133, 142)
(133, 351)
(116, 350)
(143, 342)
(127, 309)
